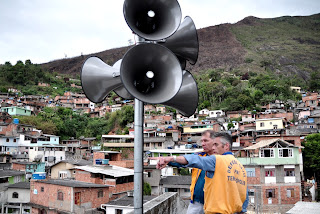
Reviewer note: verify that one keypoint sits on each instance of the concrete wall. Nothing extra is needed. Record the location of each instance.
(168, 203)
(23, 195)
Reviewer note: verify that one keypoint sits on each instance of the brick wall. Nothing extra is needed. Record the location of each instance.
(97, 155)
(86, 177)
(124, 163)
(290, 200)
(275, 199)
(17, 166)
(49, 197)
(255, 180)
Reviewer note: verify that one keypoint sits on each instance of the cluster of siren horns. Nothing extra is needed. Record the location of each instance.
(153, 71)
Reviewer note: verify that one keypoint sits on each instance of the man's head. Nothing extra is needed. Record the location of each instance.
(216, 143)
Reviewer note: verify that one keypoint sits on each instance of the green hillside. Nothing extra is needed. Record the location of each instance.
(240, 66)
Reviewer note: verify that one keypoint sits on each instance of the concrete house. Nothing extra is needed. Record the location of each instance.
(179, 184)
(273, 171)
(216, 113)
(18, 198)
(50, 154)
(14, 110)
(119, 179)
(64, 169)
(269, 124)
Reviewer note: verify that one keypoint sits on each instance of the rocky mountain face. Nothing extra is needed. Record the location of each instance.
(285, 45)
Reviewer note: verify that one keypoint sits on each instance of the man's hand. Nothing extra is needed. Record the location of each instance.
(163, 161)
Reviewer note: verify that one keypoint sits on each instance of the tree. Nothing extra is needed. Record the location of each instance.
(230, 125)
(311, 155)
(146, 188)
(314, 83)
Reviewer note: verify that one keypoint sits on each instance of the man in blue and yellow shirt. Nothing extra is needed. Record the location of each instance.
(225, 188)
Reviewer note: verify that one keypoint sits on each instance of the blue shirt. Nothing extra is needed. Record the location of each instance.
(208, 164)
(198, 194)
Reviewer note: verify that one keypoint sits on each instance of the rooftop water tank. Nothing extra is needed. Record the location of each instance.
(16, 121)
(39, 176)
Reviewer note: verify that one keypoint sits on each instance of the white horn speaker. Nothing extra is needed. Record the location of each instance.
(152, 19)
(98, 79)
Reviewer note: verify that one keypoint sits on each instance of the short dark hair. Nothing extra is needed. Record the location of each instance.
(225, 137)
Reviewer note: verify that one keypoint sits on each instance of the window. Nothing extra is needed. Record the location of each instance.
(269, 172)
(42, 189)
(289, 172)
(270, 193)
(186, 190)
(60, 196)
(266, 153)
(290, 192)
(7, 140)
(45, 158)
(251, 172)
(100, 194)
(275, 126)
(77, 198)
(118, 211)
(14, 140)
(15, 195)
(285, 153)
(159, 144)
(147, 144)
(149, 174)
(262, 124)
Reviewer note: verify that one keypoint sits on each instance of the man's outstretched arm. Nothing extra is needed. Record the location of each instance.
(163, 161)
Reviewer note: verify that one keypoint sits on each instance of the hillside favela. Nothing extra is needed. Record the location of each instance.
(62, 150)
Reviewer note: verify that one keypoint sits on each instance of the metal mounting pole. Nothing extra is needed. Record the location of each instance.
(138, 156)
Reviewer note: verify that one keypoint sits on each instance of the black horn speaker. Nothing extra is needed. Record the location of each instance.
(151, 73)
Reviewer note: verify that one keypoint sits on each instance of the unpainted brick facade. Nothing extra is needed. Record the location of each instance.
(65, 198)
(115, 188)
(17, 166)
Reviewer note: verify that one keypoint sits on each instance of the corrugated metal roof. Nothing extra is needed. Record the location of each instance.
(265, 143)
(305, 207)
(114, 171)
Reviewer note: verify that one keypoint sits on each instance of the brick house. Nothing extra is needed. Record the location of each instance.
(114, 158)
(119, 179)
(311, 100)
(66, 196)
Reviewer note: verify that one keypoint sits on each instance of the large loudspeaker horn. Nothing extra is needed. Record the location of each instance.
(151, 73)
(98, 79)
(184, 43)
(151, 19)
(186, 100)
(122, 91)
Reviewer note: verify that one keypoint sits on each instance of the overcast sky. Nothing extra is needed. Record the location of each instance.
(43, 31)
